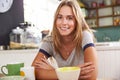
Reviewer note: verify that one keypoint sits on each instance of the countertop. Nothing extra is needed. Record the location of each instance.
(107, 46)
(100, 46)
(20, 50)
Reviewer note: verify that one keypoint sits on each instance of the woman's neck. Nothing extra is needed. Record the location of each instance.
(67, 39)
(67, 47)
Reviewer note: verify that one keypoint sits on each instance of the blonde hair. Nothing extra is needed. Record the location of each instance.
(80, 25)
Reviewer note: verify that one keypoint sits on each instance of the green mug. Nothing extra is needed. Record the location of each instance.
(12, 69)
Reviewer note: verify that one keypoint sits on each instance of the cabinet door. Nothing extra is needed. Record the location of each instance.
(109, 64)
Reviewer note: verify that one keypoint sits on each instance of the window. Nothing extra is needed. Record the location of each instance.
(40, 12)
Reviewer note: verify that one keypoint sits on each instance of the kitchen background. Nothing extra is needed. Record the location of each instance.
(100, 15)
(103, 16)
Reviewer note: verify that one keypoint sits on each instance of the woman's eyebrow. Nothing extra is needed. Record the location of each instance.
(66, 15)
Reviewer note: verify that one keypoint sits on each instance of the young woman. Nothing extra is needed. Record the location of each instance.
(70, 43)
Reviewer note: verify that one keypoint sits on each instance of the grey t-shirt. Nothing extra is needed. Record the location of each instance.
(73, 60)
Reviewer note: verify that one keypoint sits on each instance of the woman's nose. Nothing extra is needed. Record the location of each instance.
(64, 21)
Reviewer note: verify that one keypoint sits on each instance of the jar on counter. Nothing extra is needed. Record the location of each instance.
(16, 38)
(32, 37)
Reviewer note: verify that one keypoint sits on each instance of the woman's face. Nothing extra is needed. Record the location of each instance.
(65, 21)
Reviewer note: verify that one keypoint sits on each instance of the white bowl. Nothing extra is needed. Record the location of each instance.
(68, 73)
(12, 78)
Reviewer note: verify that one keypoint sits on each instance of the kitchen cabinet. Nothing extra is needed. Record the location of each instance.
(26, 55)
(103, 16)
(108, 60)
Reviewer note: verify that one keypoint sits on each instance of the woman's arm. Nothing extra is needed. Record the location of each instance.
(90, 55)
(43, 70)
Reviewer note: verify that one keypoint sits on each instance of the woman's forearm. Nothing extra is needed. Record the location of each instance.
(42, 74)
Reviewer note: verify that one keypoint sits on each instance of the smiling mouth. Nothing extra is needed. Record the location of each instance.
(64, 28)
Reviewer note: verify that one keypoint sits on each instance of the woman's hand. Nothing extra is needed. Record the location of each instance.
(86, 70)
(43, 63)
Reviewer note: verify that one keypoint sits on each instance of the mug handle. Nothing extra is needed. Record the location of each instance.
(3, 70)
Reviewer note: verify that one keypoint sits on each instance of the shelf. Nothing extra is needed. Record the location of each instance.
(103, 16)
(106, 26)
(91, 8)
(90, 17)
(116, 15)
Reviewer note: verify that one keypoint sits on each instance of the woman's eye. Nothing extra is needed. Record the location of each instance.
(59, 17)
(70, 18)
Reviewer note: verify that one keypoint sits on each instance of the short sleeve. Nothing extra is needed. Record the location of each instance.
(87, 40)
(46, 47)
